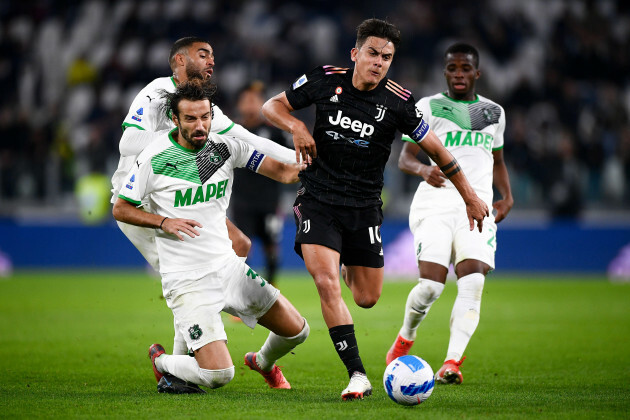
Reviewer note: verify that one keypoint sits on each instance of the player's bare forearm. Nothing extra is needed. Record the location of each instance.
(476, 209)
(409, 163)
(501, 181)
(126, 212)
(278, 111)
(286, 173)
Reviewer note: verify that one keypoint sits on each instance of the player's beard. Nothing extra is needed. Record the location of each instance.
(195, 73)
(189, 137)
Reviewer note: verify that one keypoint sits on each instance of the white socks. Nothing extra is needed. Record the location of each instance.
(465, 314)
(418, 304)
(277, 346)
(186, 368)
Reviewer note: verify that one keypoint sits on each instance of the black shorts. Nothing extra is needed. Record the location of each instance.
(353, 232)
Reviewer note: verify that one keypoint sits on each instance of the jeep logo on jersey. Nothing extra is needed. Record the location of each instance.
(185, 198)
(364, 130)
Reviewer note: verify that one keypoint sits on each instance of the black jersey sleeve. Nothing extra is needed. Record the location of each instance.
(413, 122)
(303, 90)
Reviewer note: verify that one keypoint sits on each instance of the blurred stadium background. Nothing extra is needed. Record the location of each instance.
(561, 70)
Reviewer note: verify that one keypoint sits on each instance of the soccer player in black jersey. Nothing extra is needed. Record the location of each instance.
(338, 209)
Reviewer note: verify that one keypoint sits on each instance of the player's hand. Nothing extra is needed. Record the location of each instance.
(502, 207)
(433, 176)
(175, 226)
(476, 210)
(304, 145)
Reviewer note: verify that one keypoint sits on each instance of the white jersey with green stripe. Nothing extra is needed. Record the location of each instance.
(176, 182)
(146, 113)
(470, 130)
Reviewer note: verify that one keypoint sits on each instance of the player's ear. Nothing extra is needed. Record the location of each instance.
(353, 54)
(477, 74)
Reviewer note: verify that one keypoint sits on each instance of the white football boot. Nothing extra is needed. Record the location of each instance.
(358, 387)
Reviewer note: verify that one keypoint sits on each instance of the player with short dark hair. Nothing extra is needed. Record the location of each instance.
(471, 128)
(186, 176)
(338, 209)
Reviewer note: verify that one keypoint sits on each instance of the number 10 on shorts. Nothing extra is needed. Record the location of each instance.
(375, 234)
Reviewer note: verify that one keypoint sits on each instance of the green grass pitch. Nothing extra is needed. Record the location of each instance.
(74, 344)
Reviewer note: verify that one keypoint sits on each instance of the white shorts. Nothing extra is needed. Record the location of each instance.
(144, 240)
(197, 298)
(445, 237)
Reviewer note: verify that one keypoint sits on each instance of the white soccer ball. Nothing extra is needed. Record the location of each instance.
(408, 380)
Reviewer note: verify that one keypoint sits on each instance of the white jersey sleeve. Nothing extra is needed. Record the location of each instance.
(136, 185)
(221, 124)
(498, 136)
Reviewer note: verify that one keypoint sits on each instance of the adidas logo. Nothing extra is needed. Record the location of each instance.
(334, 98)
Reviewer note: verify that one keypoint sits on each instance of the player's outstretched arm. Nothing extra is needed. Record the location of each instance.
(501, 181)
(263, 145)
(408, 163)
(287, 173)
(278, 111)
(475, 207)
(126, 212)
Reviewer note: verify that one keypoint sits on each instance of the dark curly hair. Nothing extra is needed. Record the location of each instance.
(192, 90)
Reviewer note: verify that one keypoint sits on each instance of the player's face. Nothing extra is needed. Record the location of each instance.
(200, 61)
(461, 74)
(372, 62)
(193, 123)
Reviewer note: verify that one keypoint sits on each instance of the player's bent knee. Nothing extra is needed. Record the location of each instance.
(216, 378)
(366, 300)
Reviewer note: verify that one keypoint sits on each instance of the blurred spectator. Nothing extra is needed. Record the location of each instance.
(562, 70)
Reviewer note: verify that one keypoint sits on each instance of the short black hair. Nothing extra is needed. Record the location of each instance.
(181, 44)
(378, 28)
(191, 90)
(462, 47)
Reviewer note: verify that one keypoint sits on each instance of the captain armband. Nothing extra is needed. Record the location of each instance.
(254, 161)
(451, 168)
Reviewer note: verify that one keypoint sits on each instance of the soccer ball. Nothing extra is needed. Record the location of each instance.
(408, 380)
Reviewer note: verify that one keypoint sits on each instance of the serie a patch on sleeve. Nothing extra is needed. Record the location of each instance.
(254, 161)
(420, 131)
(300, 81)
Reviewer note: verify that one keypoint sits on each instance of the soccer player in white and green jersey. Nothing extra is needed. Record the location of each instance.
(185, 176)
(471, 128)
(189, 58)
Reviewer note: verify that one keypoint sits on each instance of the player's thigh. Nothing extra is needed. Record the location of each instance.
(144, 240)
(433, 239)
(475, 245)
(196, 302)
(247, 294)
(365, 279)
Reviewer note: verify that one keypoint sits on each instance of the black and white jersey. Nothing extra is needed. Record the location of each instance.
(353, 133)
